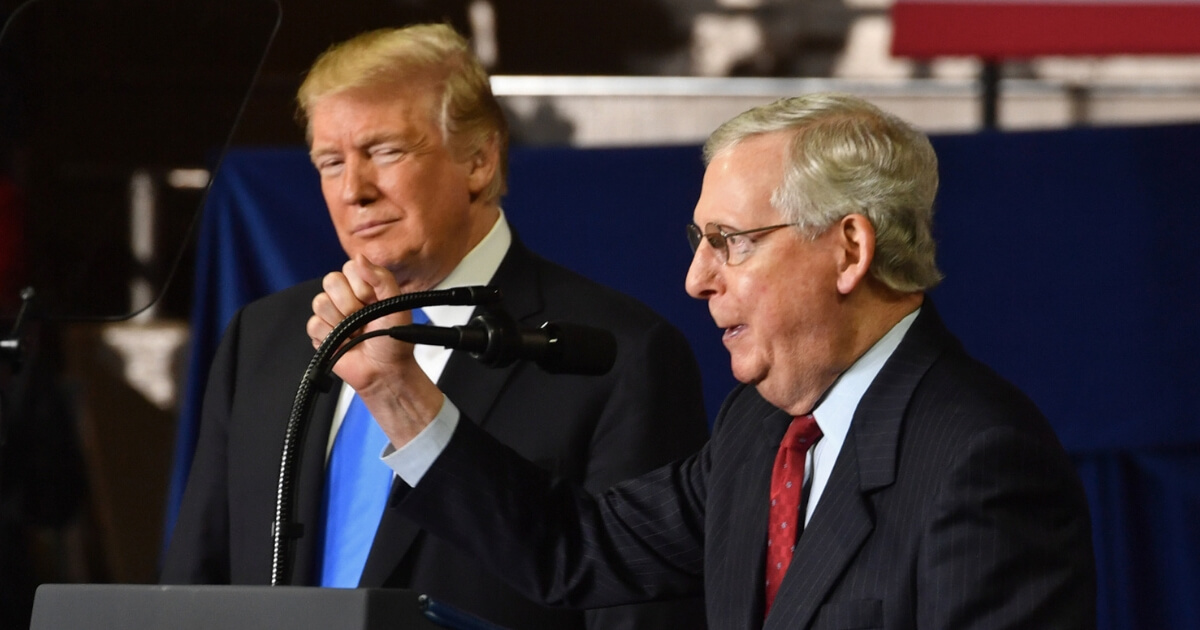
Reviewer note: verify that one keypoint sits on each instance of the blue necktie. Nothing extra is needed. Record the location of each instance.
(356, 491)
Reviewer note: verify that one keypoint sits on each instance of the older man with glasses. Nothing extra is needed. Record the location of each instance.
(867, 473)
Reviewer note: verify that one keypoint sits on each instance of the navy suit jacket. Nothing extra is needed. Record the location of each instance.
(951, 506)
(594, 431)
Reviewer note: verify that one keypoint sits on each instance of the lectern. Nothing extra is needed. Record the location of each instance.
(150, 607)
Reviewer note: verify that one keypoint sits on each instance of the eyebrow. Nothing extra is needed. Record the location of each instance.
(376, 139)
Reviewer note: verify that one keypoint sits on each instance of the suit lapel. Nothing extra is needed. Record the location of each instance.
(749, 437)
(877, 421)
(842, 520)
(474, 389)
(473, 386)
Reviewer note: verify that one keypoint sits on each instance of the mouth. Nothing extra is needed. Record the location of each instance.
(733, 332)
(371, 228)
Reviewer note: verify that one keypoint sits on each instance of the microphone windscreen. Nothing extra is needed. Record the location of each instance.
(577, 349)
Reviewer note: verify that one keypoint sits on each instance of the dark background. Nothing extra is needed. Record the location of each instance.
(1069, 261)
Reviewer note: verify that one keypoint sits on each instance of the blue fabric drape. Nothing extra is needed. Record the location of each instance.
(1068, 269)
(264, 227)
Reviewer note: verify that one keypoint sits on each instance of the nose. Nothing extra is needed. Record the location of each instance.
(358, 183)
(702, 276)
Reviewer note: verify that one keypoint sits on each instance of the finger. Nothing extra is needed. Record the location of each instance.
(372, 283)
(324, 308)
(357, 272)
(342, 297)
(381, 281)
(318, 329)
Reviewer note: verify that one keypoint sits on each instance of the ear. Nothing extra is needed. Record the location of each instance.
(856, 250)
(482, 167)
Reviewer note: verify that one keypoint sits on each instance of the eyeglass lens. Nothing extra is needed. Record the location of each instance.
(715, 238)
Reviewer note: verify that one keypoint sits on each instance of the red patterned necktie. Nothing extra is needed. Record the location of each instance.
(787, 482)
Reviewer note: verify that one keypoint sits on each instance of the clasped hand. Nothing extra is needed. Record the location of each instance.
(382, 370)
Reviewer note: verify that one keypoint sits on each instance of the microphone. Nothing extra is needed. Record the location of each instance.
(497, 341)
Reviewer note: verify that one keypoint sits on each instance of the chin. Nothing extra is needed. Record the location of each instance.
(390, 263)
(745, 375)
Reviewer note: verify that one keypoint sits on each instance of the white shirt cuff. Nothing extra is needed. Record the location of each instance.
(413, 461)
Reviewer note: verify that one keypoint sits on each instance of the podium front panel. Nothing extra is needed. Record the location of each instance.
(154, 607)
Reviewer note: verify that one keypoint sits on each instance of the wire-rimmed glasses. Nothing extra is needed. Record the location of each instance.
(731, 247)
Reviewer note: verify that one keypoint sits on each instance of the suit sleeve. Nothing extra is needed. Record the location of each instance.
(1009, 541)
(654, 416)
(641, 540)
(199, 549)
(562, 545)
(655, 413)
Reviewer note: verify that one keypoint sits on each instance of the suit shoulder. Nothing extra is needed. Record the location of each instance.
(977, 398)
(297, 297)
(280, 313)
(571, 294)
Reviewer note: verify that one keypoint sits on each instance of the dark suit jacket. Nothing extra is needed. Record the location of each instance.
(592, 430)
(951, 505)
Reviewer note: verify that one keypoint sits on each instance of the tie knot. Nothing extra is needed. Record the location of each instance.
(802, 433)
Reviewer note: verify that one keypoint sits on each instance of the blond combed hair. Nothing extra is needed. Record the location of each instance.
(848, 156)
(467, 113)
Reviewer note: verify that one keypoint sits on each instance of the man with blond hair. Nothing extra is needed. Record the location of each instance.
(410, 145)
(867, 473)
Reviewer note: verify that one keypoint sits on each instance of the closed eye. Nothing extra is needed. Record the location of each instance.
(386, 154)
(329, 165)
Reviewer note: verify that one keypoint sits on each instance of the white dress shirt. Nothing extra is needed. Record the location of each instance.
(836, 409)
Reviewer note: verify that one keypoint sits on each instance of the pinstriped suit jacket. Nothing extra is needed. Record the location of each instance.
(951, 506)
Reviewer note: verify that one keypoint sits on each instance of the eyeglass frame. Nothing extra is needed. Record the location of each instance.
(694, 236)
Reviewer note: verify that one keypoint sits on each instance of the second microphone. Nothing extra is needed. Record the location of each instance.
(497, 341)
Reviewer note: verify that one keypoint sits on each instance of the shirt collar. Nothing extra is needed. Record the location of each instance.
(476, 268)
(836, 410)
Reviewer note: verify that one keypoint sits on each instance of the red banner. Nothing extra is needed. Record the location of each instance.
(1005, 29)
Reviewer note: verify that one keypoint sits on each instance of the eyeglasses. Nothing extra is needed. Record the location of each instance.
(731, 247)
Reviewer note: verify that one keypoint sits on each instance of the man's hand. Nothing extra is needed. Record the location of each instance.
(382, 370)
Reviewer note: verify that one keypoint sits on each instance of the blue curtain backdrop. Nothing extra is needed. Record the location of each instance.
(1068, 269)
